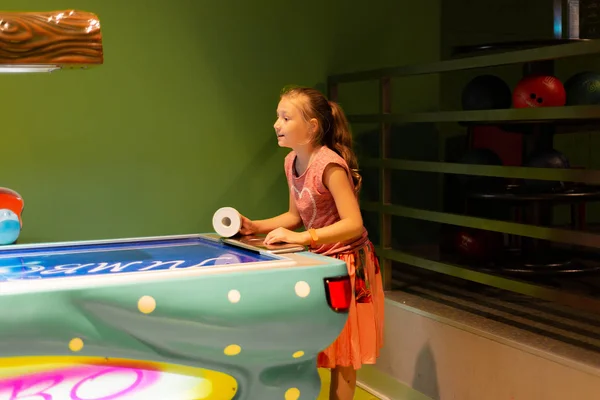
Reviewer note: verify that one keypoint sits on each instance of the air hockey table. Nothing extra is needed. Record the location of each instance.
(185, 317)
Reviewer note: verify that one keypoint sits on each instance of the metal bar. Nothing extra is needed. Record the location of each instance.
(529, 289)
(549, 174)
(579, 238)
(521, 115)
(579, 48)
(385, 222)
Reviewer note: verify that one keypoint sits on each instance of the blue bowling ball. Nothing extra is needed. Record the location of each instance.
(10, 227)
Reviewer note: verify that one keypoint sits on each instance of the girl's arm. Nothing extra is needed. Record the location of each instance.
(289, 220)
(350, 225)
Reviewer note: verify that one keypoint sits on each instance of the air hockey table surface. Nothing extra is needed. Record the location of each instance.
(204, 317)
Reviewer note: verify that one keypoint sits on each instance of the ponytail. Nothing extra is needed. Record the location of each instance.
(339, 139)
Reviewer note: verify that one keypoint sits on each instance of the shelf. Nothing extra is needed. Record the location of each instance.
(510, 284)
(495, 47)
(568, 115)
(565, 236)
(508, 57)
(591, 177)
(565, 118)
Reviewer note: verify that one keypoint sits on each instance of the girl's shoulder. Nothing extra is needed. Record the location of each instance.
(328, 156)
(289, 159)
(290, 156)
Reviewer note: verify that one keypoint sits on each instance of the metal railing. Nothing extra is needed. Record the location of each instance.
(385, 210)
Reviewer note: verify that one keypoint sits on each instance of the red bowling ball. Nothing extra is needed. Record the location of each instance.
(539, 91)
(478, 245)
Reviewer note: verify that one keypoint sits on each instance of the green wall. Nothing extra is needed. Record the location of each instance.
(412, 38)
(178, 122)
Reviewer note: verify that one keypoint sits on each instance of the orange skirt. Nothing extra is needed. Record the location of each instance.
(362, 337)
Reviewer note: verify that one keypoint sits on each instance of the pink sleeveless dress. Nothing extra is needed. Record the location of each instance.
(362, 337)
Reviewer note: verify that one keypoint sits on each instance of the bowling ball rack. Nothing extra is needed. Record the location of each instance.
(529, 256)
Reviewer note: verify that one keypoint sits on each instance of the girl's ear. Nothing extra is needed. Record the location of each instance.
(314, 126)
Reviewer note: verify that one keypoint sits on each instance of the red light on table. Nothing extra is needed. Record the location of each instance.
(339, 292)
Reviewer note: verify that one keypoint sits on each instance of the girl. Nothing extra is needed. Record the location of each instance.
(322, 174)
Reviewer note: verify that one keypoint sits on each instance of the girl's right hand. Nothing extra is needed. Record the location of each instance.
(248, 227)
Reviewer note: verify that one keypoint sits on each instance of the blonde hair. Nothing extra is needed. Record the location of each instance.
(334, 130)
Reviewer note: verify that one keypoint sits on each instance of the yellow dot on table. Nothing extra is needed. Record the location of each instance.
(234, 296)
(232, 350)
(146, 304)
(302, 289)
(298, 354)
(292, 394)
(76, 344)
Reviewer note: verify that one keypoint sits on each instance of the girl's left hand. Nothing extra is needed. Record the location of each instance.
(282, 235)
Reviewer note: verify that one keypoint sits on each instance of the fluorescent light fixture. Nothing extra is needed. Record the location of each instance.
(49, 41)
(21, 69)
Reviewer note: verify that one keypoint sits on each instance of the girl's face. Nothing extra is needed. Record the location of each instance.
(292, 129)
